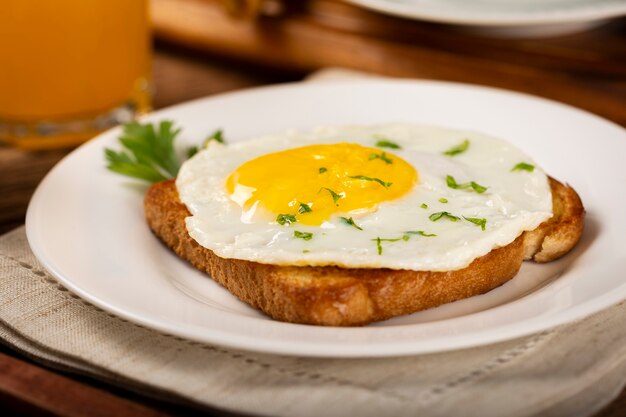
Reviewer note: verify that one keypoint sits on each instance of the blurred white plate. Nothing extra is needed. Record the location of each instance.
(86, 224)
(523, 18)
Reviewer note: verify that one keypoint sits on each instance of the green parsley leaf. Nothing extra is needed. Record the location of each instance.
(424, 206)
(443, 200)
(303, 235)
(443, 214)
(396, 239)
(305, 251)
(217, 136)
(378, 180)
(351, 222)
(323, 169)
(523, 166)
(335, 196)
(473, 185)
(383, 142)
(285, 219)
(124, 164)
(455, 150)
(382, 156)
(420, 233)
(477, 221)
(191, 151)
(148, 153)
(304, 208)
(379, 241)
(379, 245)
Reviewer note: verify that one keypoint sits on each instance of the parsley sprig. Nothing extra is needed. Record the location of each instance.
(148, 151)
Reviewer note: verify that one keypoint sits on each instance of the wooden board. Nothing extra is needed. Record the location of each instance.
(586, 69)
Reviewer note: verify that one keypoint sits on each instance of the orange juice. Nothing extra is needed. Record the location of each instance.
(70, 66)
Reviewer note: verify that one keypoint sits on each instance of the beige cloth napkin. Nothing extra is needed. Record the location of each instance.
(571, 370)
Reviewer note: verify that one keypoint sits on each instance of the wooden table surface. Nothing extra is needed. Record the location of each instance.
(28, 388)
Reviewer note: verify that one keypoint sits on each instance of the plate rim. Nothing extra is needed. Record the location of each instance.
(324, 350)
(579, 14)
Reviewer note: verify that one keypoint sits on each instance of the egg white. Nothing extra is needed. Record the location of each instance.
(514, 202)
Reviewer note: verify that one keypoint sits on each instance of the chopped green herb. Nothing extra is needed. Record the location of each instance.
(191, 151)
(473, 185)
(306, 251)
(396, 239)
(350, 222)
(420, 233)
(379, 241)
(443, 200)
(335, 196)
(386, 143)
(455, 150)
(378, 180)
(284, 219)
(443, 214)
(304, 208)
(303, 235)
(424, 206)
(323, 169)
(523, 166)
(477, 221)
(379, 245)
(148, 152)
(382, 156)
(217, 136)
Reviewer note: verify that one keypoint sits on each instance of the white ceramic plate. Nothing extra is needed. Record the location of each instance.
(86, 224)
(509, 17)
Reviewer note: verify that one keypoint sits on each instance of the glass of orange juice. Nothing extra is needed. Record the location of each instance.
(71, 68)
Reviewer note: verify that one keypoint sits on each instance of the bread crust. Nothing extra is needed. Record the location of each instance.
(335, 296)
(558, 235)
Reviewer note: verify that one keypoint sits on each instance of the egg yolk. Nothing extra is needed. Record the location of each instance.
(315, 182)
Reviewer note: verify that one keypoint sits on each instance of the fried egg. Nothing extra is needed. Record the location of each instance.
(397, 196)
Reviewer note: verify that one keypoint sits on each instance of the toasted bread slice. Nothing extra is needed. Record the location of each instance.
(334, 296)
(558, 235)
